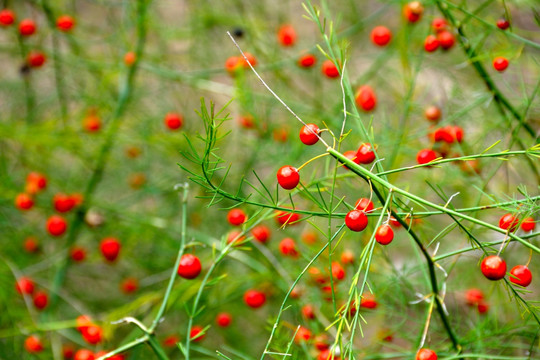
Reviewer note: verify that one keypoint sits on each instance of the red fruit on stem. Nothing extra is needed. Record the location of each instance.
(27, 27)
(413, 11)
(356, 220)
(36, 59)
(431, 43)
(500, 63)
(307, 312)
(129, 58)
(41, 300)
(77, 253)
(254, 298)
(33, 344)
(190, 266)
(309, 237)
(307, 60)
(31, 245)
(365, 154)
(426, 354)
(7, 17)
(250, 57)
(235, 237)
(425, 156)
(286, 35)
(508, 222)
(364, 204)
(503, 24)
(63, 203)
(308, 134)
(65, 23)
(493, 267)
(384, 234)
(25, 286)
(129, 285)
(110, 248)
(474, 296)
(196, 334)
(338, 272)
(381, 35)
(224, 319)
(302, 335)
(82, 322)
(287, 218)
(236, 217)
(232, 64)
(482, 307)
(287, 247)
(368, 301)
(439, 24)
(67, 352)
(288, 177)
(261, 233)
(56, 225)
(365, 98)
(92, 334)
(528, 224)
(35, 182)
(330, 69)
(521, 275)
(84, 354)
(347, 257)
(171, 341)
(24, 202)
(173, 121)
(446, 39)
(351, 155)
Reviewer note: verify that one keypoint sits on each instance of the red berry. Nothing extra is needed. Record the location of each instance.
(129, 285)
(110, 248)
(431, 43)
(365, 98)
(425, 156)
(503, 24)
(288, 177)
(368, 301)
(196, 334)
(254, 298)
(78, 253)
(63, 203)
(235, 237)
(508, 222)
(232, 64)
(65, 23)
(246, 122)
(251, 58)
(439, 24)
(308, 134)
(190, 266)
(330, 69)
(327, 354)
(351, 155)
(31, 245)
(528, 224)
(236, 217)
(364, 204)
(67, 352)
(24, 202)
(287, 218)
(171, 341)
(474, 296)
(521, 275)
(482, 307)
(36, 59)
(56, 225)
(356, 220)
(338, 272)
(309, 237)
(261, 233)
(365, 154)
(35, 182)
(33, 344)
(287, 35)
(413, 11)
(173, 121)
(7, 17)
(384, 234)
(27, 27)
(302, 335)
(347, 257)
(82, 322)
(381, 35)
(493, 267)
(307, 60)
(287, 247)
(307, 312)
(500, 63)
(446, 39)
(92, 123)
(25, 286)
(223, 319)
(426, 354)
(92, 334)
(41, 300)
(129, 58)
(84, 354)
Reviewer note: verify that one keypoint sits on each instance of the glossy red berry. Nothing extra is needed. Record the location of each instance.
(307, 60)
(36, 59)
(413, 11)
(287, 218)
(63, 203)
(25, 286)
(508, 222)
(365, 98)
(431, 43)
(287, 247)
(381, 35)
(308, 134)
(92, 334)
(521, 275)
(356, 220)
(365, 154)
(235, 237)
(233, 64)
(224, 319)
(308, 312)
(77, 253)
(528, 224)
(7, 17)
(24, 202)
(84, 354)
(261, 233)
(368, 301)
(27, 27)
(287, 35)
(236, 217)
(302, 335)
(65, 23)
(190, 266)
(173, 121)
(338, 272)
(482, 307)
(31, 245)
(493, 267)
(439, 24)
(82, 322)
(446, 39)
(197, 333)
(35, 182)
(351, 155)
(110, 248)
(41, 300)
(254, 298)
(432, 113)
(288, 177)
(500, 63)
(384, 234)
(426, 354)
(474, 296)
(330, 69)
(171, 341)
(425, 156)
(251, 58)
(129, 285)
(364, 204)
(33, 344)
(56, 225)
(503, 24)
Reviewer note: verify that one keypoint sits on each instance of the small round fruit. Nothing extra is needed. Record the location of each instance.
(36, 59)
(82, 322)
(528, 224)
(254, 298)
(224, 319)
(56, 225)
(368, 301)
(432, 113)
(425, 156)
(309, 134)
(500, 63)
(364, 204)
(65, 23)
(307, 60)
(302, 335)
(190, 266)
(67, 352)
(474, 296)
(171, 341)
(330, 69)
(235, 237)
(426, 354)
(287, 247)
(129, 58)
(129, 285)
(63, 203)
(236, 217)
(287, 35)
(173, 121)
(33, 344)
(35, 182)
(381, 35)
(351, 155)
(233, 64)
(347, 257)
(493, 267)
(413, 11)
(41, 300)
(196, 334)
(356, 220)
(365, 98)
(31, 245)
(521, 275)
(338, 272)
(503, 24)
(84, 354)
(92, 334)
(261, 233)
(431, 43)
(92, 123)
(288, 177)
(508, 222)
(308, 312)
(446, 39)
(384, 234)
(24, 202)
(25, 286)
(287, 218)
(7, 17)
(110, 248)
(439, 24)
(77, 253)
(365, 154)
(27, 27)
(482, 307)
(250, 57)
